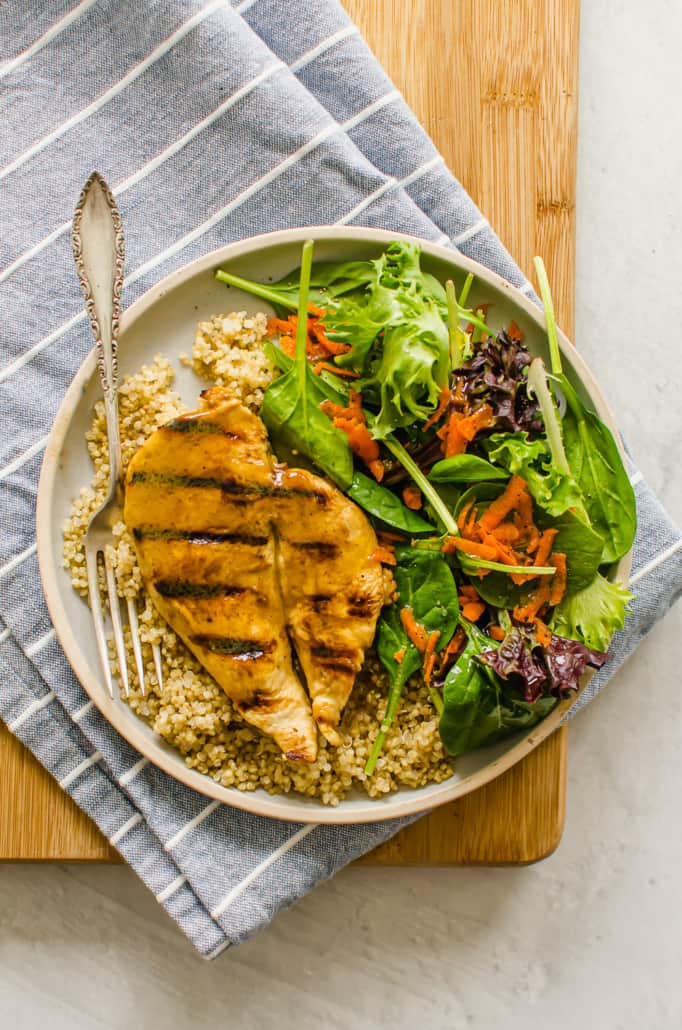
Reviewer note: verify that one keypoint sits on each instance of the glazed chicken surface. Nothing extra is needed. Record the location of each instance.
(241, 555)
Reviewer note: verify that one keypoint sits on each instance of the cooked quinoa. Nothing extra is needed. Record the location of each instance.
(190, 710)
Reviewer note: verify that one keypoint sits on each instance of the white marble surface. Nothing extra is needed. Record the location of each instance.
(592, 936)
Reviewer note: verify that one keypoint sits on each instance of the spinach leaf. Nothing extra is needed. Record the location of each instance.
(598, 468)
(593, 614)
(581, 545)
(477, 708)
(291, 405)
(426, 585)
(466, 468)
(383, 504)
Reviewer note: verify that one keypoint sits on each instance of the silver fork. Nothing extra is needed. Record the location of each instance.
(99, 250)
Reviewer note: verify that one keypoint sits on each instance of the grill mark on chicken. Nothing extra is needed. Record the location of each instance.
(258, 700)
(199, 536)
(321, 549)
(186, 588)
(242, 650)
(188, 425)
(360, 606)
(249, 491)
(318, 602)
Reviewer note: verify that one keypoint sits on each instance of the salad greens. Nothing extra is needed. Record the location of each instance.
(499, 511)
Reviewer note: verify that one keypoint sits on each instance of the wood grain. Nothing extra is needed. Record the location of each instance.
(495, 84)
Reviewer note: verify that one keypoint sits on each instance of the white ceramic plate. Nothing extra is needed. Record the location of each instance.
(163, 320)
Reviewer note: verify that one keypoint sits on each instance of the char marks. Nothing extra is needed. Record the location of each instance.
(243, 650)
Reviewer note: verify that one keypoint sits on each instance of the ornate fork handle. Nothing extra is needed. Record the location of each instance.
(99, 253)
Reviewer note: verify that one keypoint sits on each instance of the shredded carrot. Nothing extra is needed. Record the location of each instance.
(505, 503)
(467, 592)
(543, 633)
(545, 547)
(514, 333)
(457, 543)
(328, 367)
(430, 655)
(316, 312)
(473, 610)
(316, 329)
(558, 586)
(482, 418)
(412, 496)
(399, 655)
(384, 554)
(376, 467)
(453, 441)
(415, 632)
(351, 420)
(456, 643)
(496, 632)
(506, 533)
(440, 410)
(538, 599)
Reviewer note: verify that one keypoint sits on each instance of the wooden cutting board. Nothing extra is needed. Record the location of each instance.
(495, 84)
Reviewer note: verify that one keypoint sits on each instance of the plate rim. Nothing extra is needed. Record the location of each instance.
(367, 810)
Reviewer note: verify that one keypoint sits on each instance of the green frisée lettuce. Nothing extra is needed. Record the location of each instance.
(593, 614)
(553, 490)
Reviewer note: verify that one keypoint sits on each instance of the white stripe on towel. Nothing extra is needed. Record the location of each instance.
(390, 184)
(114, 90)
(47, 37)
(17, 560)
(126, 828)
(131, 773)
(191, 825)
(636, 478)
(655, 562)
(80, 712)
(526, 288)
(170, 890)
(260, 869)
(321, 48)
(473, 230)
(29, 453)
(80, 769)
(34, 707)
(217, 951)
(5, 635)
(39, 644)
(371, 109)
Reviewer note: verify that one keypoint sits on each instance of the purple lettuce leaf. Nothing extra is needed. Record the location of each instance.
(496, 375)
(536, 670)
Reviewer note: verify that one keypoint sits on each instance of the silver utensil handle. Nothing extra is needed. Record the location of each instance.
(99, 253)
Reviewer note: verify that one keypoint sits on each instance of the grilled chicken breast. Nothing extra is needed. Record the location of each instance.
(236, 551)
(198, 506)
(332, 589)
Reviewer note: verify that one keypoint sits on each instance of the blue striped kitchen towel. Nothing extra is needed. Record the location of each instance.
(212, 122)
